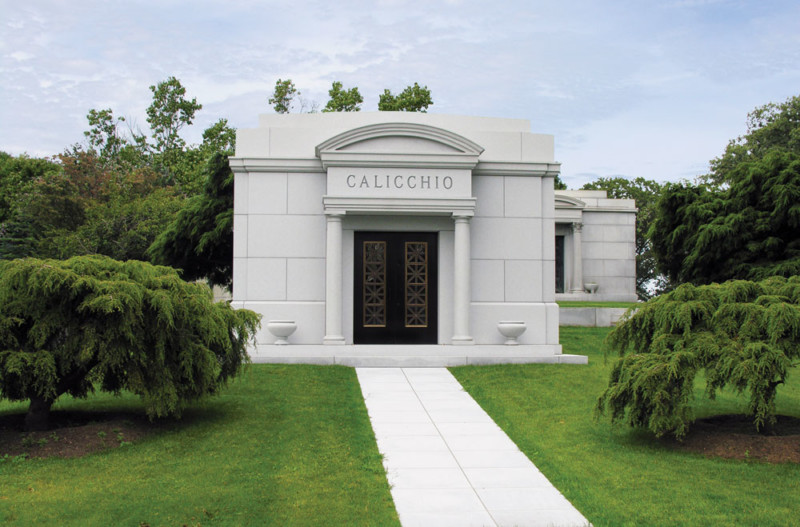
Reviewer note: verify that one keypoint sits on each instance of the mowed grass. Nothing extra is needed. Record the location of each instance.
(283, 445)
(573, 303)
(617, 476)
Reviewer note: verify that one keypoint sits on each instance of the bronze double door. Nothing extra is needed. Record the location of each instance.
(395, 297)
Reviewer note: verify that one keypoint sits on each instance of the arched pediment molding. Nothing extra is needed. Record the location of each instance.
(399, 145)
(566, 202)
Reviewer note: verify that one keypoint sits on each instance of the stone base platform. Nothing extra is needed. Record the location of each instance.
(407, 356)
(600, 317)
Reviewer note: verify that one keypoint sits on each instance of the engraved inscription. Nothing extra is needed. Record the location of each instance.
(389, 181)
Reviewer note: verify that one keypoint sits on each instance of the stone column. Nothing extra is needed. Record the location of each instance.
(577, 259)
(333, 281)
(461, 282)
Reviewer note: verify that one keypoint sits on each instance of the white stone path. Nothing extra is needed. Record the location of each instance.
(447, 462)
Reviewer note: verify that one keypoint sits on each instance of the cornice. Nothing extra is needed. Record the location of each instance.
(510, 168)
(361, 205)
(263, 164)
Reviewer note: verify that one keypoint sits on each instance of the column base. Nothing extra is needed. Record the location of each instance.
(462, 341)
(333, 340)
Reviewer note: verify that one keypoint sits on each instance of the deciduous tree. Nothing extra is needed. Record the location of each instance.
(93, 323)
(342, 100)
(283, 95)
(412, 99)
(169, 112)
(774, 126)
(17, 176)
(104, 136)
(122, 228)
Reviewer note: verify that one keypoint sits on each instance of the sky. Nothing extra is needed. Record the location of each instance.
(634, 88)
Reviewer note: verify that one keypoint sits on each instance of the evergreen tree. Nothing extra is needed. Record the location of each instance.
(749, 230)
(200, 239)
(743, 219)
(91, 323)
(741, 334)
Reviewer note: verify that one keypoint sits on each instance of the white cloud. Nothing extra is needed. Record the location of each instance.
(21, 56)
(646, 89)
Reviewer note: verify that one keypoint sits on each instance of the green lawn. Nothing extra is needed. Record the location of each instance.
(617, 476)
(292, 445)
(284, 445)
(572, 303)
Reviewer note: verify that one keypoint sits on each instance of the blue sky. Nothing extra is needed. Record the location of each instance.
(628, 88)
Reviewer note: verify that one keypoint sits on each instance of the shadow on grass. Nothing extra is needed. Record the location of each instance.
(203, 413)
(76, 432)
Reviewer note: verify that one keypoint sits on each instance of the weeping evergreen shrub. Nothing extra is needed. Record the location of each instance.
(740, 334)
(90, 322)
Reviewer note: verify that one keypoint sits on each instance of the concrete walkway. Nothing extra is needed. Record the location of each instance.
(447, 462)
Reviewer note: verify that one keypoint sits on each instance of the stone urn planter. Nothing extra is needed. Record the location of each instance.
(281, 329)
(511, 329)
(590, 287)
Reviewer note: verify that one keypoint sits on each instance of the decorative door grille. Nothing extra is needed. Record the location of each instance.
(416, 285)
(374, 284)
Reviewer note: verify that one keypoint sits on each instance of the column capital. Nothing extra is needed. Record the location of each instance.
(577, 226)
(335, 215)
(462, 218)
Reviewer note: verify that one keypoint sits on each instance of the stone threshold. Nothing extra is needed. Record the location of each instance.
(413, 356)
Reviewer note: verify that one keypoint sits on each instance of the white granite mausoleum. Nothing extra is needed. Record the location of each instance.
(396, 238)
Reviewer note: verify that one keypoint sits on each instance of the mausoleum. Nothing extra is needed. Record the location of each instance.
(396, 238)
(595, 247)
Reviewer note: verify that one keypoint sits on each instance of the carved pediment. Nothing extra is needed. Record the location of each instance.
(566, 202)
(399, 145)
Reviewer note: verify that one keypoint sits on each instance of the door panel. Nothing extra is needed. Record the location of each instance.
(395, 297)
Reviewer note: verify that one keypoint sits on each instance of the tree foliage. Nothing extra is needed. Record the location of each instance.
(749, 230)
(342, 100)
(645, 192)
(86, 207)
(739, 334)
(412, 99)
(114, 194)
(742, 221)
(772, 127)
(104, 136)
(283, 95)
(17, 177)
(123, 228)
(169, 112)
(92, 323)
(200, 239)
